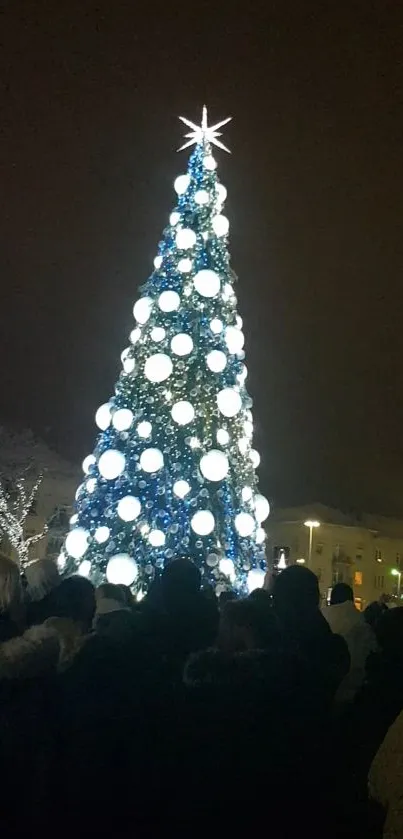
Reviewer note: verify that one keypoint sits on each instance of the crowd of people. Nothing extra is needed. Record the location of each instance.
(187, 712)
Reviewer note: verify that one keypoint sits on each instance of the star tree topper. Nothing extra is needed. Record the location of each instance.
(204, 132)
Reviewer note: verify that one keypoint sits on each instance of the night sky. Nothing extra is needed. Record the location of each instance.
(90, 94)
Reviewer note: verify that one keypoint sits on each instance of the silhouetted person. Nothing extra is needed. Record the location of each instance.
(75, 599)
(98, 704)
(296, 600)
(373, 613)
(374, 709)
(42, 578)
(116, 620)
(192, 618)
(345, 620)
(182, 620)
(381, 699)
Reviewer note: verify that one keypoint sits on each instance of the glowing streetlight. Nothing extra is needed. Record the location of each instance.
(398, 574)
(311, 524)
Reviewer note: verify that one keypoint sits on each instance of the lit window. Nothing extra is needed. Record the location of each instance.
(378, 555)
(358, 578)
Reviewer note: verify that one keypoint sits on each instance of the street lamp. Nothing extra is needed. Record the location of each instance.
(311, 524)
(398, 574)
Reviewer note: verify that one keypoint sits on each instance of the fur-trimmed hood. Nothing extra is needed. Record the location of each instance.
(32, 654)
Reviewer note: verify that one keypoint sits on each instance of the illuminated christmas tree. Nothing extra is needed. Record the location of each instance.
(173, 469)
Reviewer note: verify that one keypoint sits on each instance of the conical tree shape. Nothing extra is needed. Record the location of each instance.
(173, 469)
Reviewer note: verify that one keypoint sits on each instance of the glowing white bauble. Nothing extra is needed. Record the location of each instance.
(227, 568)
(181, 184)
(248, 428)
(181, 488)
(247, 493)
(221, 193)
(216, 361)
(222, 437)
(202, 197)
(202, 522)
(214, 465)
(234, 339)
(239, 322)
(183, 412)
(260, 536)
(216, 326)
(129, 365)
(207, 282)
(144, 429)
(243, 445)
(73, 519)
(220, 225)
(209, 163)
(61, 561)
(102, 534)
(212, 560)
(185, 238)
(244, 524)
(111, 464)
(158, 367)
(242, 375)
(157, 334)
(156, 538)
(91, 485)
(125, 354)
(255, 579)
(103, 417)
(84, 568)
(174, 218)
(262, 508)
(135, 335)
(255, 458)
(157, 262)
(121, 570)
(182, 344)
(151, 460)
(169, 301)
(228, 291)
(88, 462)
(229, 402)
(185, 265)
(128, 508)
(77, 542)
(122, 419)
(142, 309)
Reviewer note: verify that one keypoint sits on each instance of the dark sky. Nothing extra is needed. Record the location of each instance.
(89, 104)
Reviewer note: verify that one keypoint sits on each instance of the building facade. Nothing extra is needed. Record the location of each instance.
(365, 552)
